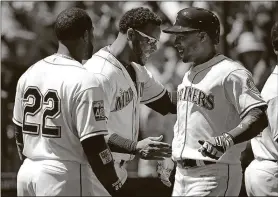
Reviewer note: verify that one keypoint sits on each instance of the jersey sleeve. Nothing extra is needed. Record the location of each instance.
(272, 114)
(108, 92)
(241, 91)
(152, 89)
(18, 108)
(89, 114)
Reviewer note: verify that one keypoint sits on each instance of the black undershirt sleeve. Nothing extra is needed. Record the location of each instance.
(166, 104)
(254, 122)
(101, 161)
(19, 141)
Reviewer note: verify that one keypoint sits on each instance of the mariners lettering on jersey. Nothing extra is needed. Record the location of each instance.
(140, 89)
(197, 97)
(123, 100)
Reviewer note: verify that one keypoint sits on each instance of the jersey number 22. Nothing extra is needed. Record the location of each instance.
(32, 109)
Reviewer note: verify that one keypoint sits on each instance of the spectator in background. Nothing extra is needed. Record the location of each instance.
(251, 54)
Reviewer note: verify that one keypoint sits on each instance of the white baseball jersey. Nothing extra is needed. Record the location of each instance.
(58, 104)
(265, 146)
(124, 97)
(212, 99)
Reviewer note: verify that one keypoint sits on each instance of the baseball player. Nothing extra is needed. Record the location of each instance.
(60, 120)
(261, 176)
(127, 83)
(218, 107)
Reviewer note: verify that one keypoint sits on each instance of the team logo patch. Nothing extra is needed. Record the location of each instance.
(105, 156)
(251, 86)
(98, 107)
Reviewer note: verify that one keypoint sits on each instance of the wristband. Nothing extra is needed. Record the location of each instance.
(228, 140)
(121, 144)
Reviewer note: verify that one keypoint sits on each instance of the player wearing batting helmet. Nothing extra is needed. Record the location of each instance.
(261, 176)
(59, 122)
(218, 109)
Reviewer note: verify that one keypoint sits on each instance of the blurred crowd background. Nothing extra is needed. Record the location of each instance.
(27, 36)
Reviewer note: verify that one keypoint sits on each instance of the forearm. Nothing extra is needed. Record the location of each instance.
(166, 104)
(19, 141)
(252, 124)
(101, 161)
(120, 144)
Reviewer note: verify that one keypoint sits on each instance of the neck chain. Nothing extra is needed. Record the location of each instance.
(64, 56)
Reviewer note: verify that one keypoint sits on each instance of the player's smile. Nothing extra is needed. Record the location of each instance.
(180, 49)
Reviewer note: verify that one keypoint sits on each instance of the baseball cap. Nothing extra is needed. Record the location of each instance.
(191, 19)
(247, 42)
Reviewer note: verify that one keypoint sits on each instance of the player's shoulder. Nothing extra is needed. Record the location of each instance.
(29, 73)
(84, 82)
(104, 63)
(75, 76)
(229, 67)
(88, 80)
(142, 72)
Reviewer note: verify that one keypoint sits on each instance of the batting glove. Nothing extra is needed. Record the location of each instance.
(166, 171)
(215, 147)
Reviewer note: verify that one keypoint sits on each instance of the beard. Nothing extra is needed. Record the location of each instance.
(142, 52)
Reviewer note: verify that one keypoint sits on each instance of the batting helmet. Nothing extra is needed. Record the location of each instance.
(274, 36)
(192, 19)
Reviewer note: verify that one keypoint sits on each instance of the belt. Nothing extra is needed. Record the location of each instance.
(186, 163)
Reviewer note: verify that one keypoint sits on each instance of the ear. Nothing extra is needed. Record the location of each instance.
(130, 34)
(86, 35)
(203, 36)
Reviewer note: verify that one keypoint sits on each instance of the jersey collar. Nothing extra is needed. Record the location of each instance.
(57, 59)
(105, 53)
(216, 59)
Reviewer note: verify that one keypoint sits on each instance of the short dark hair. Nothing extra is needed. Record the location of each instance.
(138, 18)
(274, 36)
(72, 23)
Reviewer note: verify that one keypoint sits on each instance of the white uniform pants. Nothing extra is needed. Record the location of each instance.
(261, 178)
(209, 180)
(56, 178)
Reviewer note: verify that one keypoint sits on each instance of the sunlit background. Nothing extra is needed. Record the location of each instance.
(27, 36)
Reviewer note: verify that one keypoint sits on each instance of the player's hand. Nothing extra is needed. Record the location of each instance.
(215, 147)
(166, 171)
(152, 148)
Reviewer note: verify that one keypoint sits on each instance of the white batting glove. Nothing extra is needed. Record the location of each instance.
(215, 147)
(166, 171)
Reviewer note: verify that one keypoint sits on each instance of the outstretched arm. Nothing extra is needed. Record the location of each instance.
(165, 104)
(252, 124)
(150, 148)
